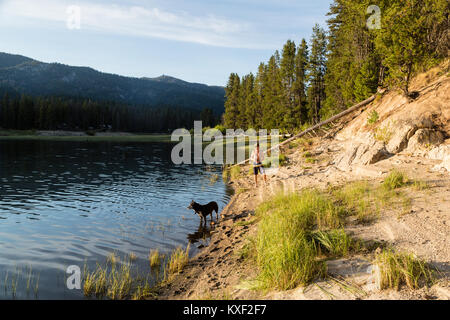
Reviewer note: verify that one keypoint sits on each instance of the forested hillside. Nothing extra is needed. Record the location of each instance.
(341, 66)
(62, 113)
(37, 95)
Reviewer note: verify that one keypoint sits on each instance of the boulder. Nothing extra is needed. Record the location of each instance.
(424, 139)
(400, 137)
(362, 154)
(441, 152)
(373, 154)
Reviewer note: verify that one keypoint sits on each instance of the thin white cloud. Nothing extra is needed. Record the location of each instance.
(142, 21)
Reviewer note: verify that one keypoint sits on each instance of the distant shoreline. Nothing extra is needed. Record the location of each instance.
(61, 135)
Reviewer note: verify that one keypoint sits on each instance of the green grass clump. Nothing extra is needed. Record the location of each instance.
(283, 160)
(383, 134)
(373, 117)
(298, 231)
(309, 157)
(111, 281)
(394, 180)
(155, 258)
(334, 242)
(396, 269)
(178, 260)
(286, 254)
(114, 281)
(231, 173)
(311, 208)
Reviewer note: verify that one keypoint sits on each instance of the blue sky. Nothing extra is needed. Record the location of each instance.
(194, 40)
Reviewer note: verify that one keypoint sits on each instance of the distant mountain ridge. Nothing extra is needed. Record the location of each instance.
(25, 75)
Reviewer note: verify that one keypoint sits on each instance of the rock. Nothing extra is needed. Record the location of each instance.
(445, 164)
(400, 137)
(424, 138)
(375, 153)
(441, 152)
(362, 154)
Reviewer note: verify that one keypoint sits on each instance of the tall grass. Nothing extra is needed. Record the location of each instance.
(118, 280)
(155, 259)
(310, 208)
(394, 180)
(286, 254)
(334, 242)
(298, 230)
(396, 269)
(114, 281)
(178, 260)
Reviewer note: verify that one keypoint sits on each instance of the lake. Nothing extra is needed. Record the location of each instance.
(75, 203)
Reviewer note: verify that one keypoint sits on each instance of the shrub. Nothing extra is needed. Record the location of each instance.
(373, 117)
(383, 134)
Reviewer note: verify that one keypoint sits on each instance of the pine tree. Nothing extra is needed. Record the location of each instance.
(316, 72)
(272, 102)
(403, 42)
(287, 75)
(300, 115)
(353, 65)
(249, 101)
(232, 102)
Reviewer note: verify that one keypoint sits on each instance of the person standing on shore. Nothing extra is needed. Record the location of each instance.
(257, 158)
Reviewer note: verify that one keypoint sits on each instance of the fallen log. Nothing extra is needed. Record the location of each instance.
(320, 124)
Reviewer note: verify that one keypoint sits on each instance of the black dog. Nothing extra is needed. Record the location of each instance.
(206, 210)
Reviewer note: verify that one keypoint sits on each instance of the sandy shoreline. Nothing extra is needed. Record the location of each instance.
(348, 154)
(217, 271)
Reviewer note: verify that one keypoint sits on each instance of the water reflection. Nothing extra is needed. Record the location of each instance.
(202, 234)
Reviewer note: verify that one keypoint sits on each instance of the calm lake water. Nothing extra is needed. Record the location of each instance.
(74, 203)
